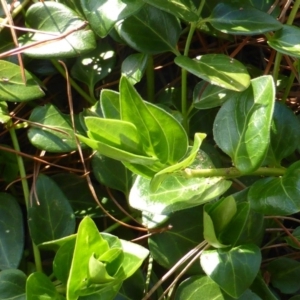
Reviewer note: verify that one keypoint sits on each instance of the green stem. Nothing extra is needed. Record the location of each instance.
(150, 79)
(231, 172)
(61, 70)
(116, 225)
(288, 87)
(293, 13)
(14, 138)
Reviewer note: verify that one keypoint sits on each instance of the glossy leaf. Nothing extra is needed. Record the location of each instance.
(150, 31)
(12, 285)
(4, 112)
(216, 216)
(285, 134)
(53, 132)
(112, 173)
(284, 274)
(236, 19)
(56, 19)
(261, 288)
(186, 233)
(12, 87)
(242, 125)
(102, 15)
(134, 66)
(11, 232)
(39, 286)
(202, 287)
(285, 40)
(177, 192)
(217, 69)
(50, 216)
(277, 196)
(183, 9)
(206, 95)
(231, 268)
(110, 104)
(95, 65)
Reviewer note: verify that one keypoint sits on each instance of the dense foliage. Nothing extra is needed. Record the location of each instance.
(149, 149)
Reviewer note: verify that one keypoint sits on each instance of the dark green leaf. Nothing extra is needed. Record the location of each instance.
(12, 87)
(39, 286)
(132, 288)
(291, 241)
(12, 285)
(285, 40)
(242, 20)
(183, 9)
(112, 173)
(103, 14)
(177, 192)
(242, 126)
(150, 31)
(95, 65)
(55, 19)
(50, 216)
(55, 133)
(277, 196)
(9, 168)
(11, 232)
(217, 69)
(285, 273)
(233, 269)
(134, 66)
(186, 233)
(260, 287)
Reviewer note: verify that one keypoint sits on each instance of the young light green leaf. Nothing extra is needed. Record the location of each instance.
(191, 155)
(232, 269)
(277, 196)
(177, 192)
(285, 40)
(217, 69)
(242, 125)
(183, 9)
(4, 113)
(12, 87)
(11, 232)
(150, 31)
(12, 285)
(134, 66)
(55, 19)
(39, 286)
(236, 19)
(57, 134)
(50, 216)
(103, 14)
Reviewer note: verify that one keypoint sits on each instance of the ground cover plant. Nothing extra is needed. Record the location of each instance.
(149, 149)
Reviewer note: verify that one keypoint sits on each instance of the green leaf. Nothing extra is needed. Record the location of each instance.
(277, 196)
(206, 95)
(285, 40)
(190, 157)
(217, 69)
(202, 287)
(12, 285)
(134, 66)
(95, 65)
(13, 89)
(50, 216)
(110, 104)
(233, 269)
(55, 19)
(168, 247)
(9, 168)
(112, 173)
(11, 232)
(296, 235)
(242, 20)
(183, 9)
(154, 124)
(103, 14)
(216, 216)
(285, 273)
(39, 286)
(285, 134)
(150, 31)
(242, 126)
(260, 287)
(177, 192)
(4, 112)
